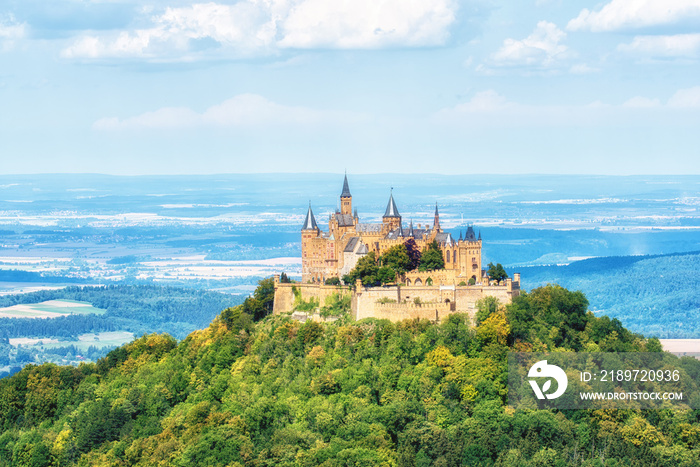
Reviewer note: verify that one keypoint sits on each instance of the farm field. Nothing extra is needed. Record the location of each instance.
(50, 309)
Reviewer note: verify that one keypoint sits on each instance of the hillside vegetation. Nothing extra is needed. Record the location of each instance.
(277, 392)
(654, 295)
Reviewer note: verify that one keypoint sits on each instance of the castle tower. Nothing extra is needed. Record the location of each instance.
(310, 222)
(436, 220)
(346, 198)
(391, 218)
(310, 248)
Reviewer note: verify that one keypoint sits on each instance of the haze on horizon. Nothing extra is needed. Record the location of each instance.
(428, 86)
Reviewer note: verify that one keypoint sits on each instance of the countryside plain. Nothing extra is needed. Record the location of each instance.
(631, 244)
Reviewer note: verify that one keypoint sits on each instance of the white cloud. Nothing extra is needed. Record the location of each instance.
(255, 27)
(10, 32)
(674, 46)
(367, 24)
(686, 98)
(484, 101)
(640, 102)
(541, 49)
(488, 108)
(631, 14)
(582, 69)
(244, 110)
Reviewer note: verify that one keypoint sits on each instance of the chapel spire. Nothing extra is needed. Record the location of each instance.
(436, 220)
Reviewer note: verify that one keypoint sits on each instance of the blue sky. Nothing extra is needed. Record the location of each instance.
(410, 86)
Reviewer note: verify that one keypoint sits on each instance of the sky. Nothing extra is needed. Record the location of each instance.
(368, 86)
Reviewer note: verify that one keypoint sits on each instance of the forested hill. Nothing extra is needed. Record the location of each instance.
(135, 308)
(369, 393)
(654, 295)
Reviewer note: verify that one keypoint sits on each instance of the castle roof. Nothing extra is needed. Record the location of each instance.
(368, 228)
(391, 209)
(470, 236)
(310, 222)
(344, 220)
(395, 234)
(362, 250)
(346, 188)
(352, 243)
(443, 238)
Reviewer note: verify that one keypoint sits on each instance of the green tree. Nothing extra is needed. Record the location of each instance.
(496, 272)
(366, 270)
(262, 301)
(332, 281)
(485, 307)
(431, 258)
(385, 275)
(397, 259)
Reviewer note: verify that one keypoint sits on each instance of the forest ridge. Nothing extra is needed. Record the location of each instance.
(279, 392)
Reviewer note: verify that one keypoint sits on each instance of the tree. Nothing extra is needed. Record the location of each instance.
(413, 253)
(284, 279)
(332, 281)
(397, 259)
(496, 272)
(366, 270)
(262, 301)
(485, 307)
(385, 274)
(431, 258)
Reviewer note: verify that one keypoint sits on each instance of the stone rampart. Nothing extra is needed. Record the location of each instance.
(399, 302)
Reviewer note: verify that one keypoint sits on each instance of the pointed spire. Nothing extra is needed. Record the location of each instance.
(346, 188)
(436, 221)
(391, 209)
(479, 234)
(310, 222)
(460, 235)
(355, 215)
(410, 229)
(401, 230)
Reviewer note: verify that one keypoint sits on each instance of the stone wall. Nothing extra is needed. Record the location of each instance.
(284, 294)
(400, 302)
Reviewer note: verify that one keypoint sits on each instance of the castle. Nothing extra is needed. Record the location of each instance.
(420, 294)
(334, 253)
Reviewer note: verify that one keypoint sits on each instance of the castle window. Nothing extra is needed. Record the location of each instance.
(448, 256)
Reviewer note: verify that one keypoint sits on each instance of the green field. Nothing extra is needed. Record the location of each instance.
(50, 309)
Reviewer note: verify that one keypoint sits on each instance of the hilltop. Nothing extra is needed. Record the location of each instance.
(283, 393)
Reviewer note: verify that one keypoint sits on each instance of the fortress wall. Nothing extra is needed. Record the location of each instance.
(284, 294)
(408, 310)
(442, 300)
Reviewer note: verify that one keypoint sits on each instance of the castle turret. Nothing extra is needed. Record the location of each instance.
(391, 218)
(346, 198)
(310, 222)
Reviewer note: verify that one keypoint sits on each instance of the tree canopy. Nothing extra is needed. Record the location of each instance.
(496, 272)
(431, 258)
(342, 393)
